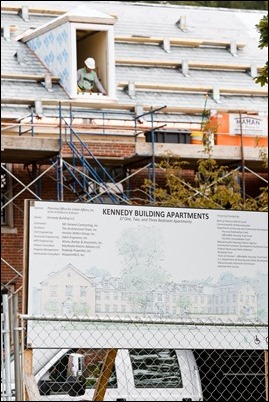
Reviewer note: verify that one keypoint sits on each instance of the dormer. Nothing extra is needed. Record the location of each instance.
(66, 42)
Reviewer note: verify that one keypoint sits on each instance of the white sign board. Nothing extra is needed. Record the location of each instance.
(249, 125)
(146, 263)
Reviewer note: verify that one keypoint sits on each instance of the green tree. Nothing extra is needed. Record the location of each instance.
(215, 186)
(262, 27)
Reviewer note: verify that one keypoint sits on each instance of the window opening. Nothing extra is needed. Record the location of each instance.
(155, 368)
(55, 380)
(6, 195)
(4, 188)
(92, 64)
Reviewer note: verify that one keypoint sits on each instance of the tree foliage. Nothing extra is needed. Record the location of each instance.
(262, 27)
(215, 186)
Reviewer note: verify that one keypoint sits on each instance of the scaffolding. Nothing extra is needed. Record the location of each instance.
(81, 175)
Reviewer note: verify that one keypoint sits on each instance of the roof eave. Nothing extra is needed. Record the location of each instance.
(62, 20)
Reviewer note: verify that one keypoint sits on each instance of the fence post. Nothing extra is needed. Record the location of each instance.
(17, 351)
(6, 336)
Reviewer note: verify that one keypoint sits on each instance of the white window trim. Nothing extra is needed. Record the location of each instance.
(111, 90)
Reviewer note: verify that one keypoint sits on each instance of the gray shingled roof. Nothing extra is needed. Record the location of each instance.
(157, 99)
(172, 76)
(152, 21)
(32, 90)
(203, 54)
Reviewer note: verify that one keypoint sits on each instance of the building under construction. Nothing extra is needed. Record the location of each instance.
(166, 71)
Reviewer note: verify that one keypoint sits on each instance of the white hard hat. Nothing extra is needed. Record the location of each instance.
(90, 63)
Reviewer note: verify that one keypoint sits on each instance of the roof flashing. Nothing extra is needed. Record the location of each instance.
(182, 24)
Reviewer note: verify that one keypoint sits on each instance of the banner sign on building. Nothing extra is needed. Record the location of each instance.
(248, 125)
(143, 262)
(236, 123)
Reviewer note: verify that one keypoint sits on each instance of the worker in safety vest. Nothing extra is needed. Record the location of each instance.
(87, 78)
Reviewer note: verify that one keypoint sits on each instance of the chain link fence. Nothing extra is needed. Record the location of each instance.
(142, 360)
(72, 358)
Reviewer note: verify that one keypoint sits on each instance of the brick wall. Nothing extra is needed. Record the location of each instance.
(104, 149)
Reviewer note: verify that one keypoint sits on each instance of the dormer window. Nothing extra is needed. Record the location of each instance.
(96, 44)
(64, 44)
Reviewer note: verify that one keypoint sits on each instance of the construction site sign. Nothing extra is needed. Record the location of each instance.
(146, 263)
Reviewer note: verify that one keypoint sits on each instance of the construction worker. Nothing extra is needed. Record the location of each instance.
(87, 78)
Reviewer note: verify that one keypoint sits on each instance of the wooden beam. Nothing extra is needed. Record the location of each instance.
(166, 87)
(175, 41)
(41, 11)
(10, 9)
(38, 11)
(148, 63)
(27, 77)
(219, 66)
(105, 374)
(138, 39)
(244, 91)
(177, 64)
(31, 388)
(117, 106)
(199, 42)
(201, 88)
(198, 111)
(90, 103)
(28, 361)
(32, 391)
(158, 40)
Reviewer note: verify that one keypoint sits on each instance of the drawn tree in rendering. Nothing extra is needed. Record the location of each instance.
(142, 261)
